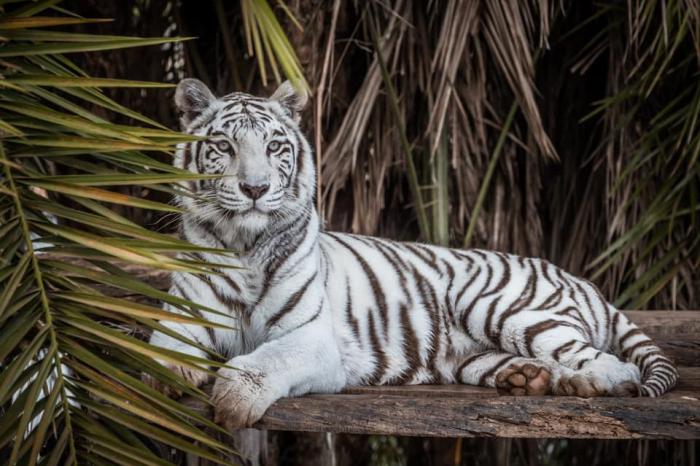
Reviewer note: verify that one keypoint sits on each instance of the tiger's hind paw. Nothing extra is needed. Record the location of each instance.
(524, 379)
(587, 387)
(626, 389)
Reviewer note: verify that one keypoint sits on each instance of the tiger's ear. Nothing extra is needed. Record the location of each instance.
(292, 100)
(192, 97)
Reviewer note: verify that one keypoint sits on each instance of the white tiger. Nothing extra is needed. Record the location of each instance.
(318, 311)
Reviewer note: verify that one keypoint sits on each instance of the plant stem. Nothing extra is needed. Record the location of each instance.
(44, 300)
(394, 105)
(228, 45)
(441, 199)
(489, 173)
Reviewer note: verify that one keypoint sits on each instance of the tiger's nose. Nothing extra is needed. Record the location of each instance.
(254, 191)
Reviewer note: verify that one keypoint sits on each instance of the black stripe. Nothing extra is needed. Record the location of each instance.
(642, 344)
(630, 333)
(416, 249)
(535, 330)
(505, 278)
(552, 300)
(186, 156)
(460, 256)
(313, 317)
(490, 311)
(410, 347)
(288, 244)
(352, 320)
(229, 281)
(467, 284)
(377, 291)
(448, 303)
(596, 322)
(429, 301)
(291, 303)
(556, 354)
(467, 312)
(299, 162)
(575, 313)
(378, 352)
(613, 329)
(494, 369)
(468, 361)
(524, 299)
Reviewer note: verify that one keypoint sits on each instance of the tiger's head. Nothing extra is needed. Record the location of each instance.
(256, 144)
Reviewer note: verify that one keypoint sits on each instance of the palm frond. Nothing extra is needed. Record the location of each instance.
(268, 41)
(71, 356)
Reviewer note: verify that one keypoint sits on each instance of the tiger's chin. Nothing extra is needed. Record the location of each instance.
(252, 221)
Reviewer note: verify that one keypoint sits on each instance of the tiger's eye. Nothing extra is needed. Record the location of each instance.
(223, 146)
(273, 146)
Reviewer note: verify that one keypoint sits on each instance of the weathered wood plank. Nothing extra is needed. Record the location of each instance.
(531, 417)
(457, 411)
(667, 324)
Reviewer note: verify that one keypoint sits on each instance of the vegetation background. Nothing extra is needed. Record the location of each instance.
(562, 129)
(568, 130)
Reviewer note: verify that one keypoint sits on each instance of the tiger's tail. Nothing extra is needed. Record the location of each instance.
(659, 374)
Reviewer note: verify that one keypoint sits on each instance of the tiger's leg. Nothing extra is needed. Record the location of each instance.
(193, 376)
(508, 373)
(564, 342)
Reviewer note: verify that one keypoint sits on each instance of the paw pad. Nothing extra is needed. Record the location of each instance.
(524, 379)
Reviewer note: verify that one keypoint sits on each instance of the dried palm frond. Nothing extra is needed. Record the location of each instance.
(527, 172)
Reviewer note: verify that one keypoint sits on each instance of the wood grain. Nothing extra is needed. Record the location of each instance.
(458, 411)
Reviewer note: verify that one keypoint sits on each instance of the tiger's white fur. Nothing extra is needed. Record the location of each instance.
(318, 311)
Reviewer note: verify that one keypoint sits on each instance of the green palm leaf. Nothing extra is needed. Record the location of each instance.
(70, 369)
(267, 41)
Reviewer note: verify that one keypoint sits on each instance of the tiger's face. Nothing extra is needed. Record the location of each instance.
(256, 146)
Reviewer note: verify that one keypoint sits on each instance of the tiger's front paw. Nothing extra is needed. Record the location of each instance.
(241, 397)
(194, 377)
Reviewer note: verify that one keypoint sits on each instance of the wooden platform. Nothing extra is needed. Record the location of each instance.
(464, 411)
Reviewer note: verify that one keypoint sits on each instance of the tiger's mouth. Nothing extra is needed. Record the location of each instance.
(244, 210)
(254, 209)
(246, 207)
